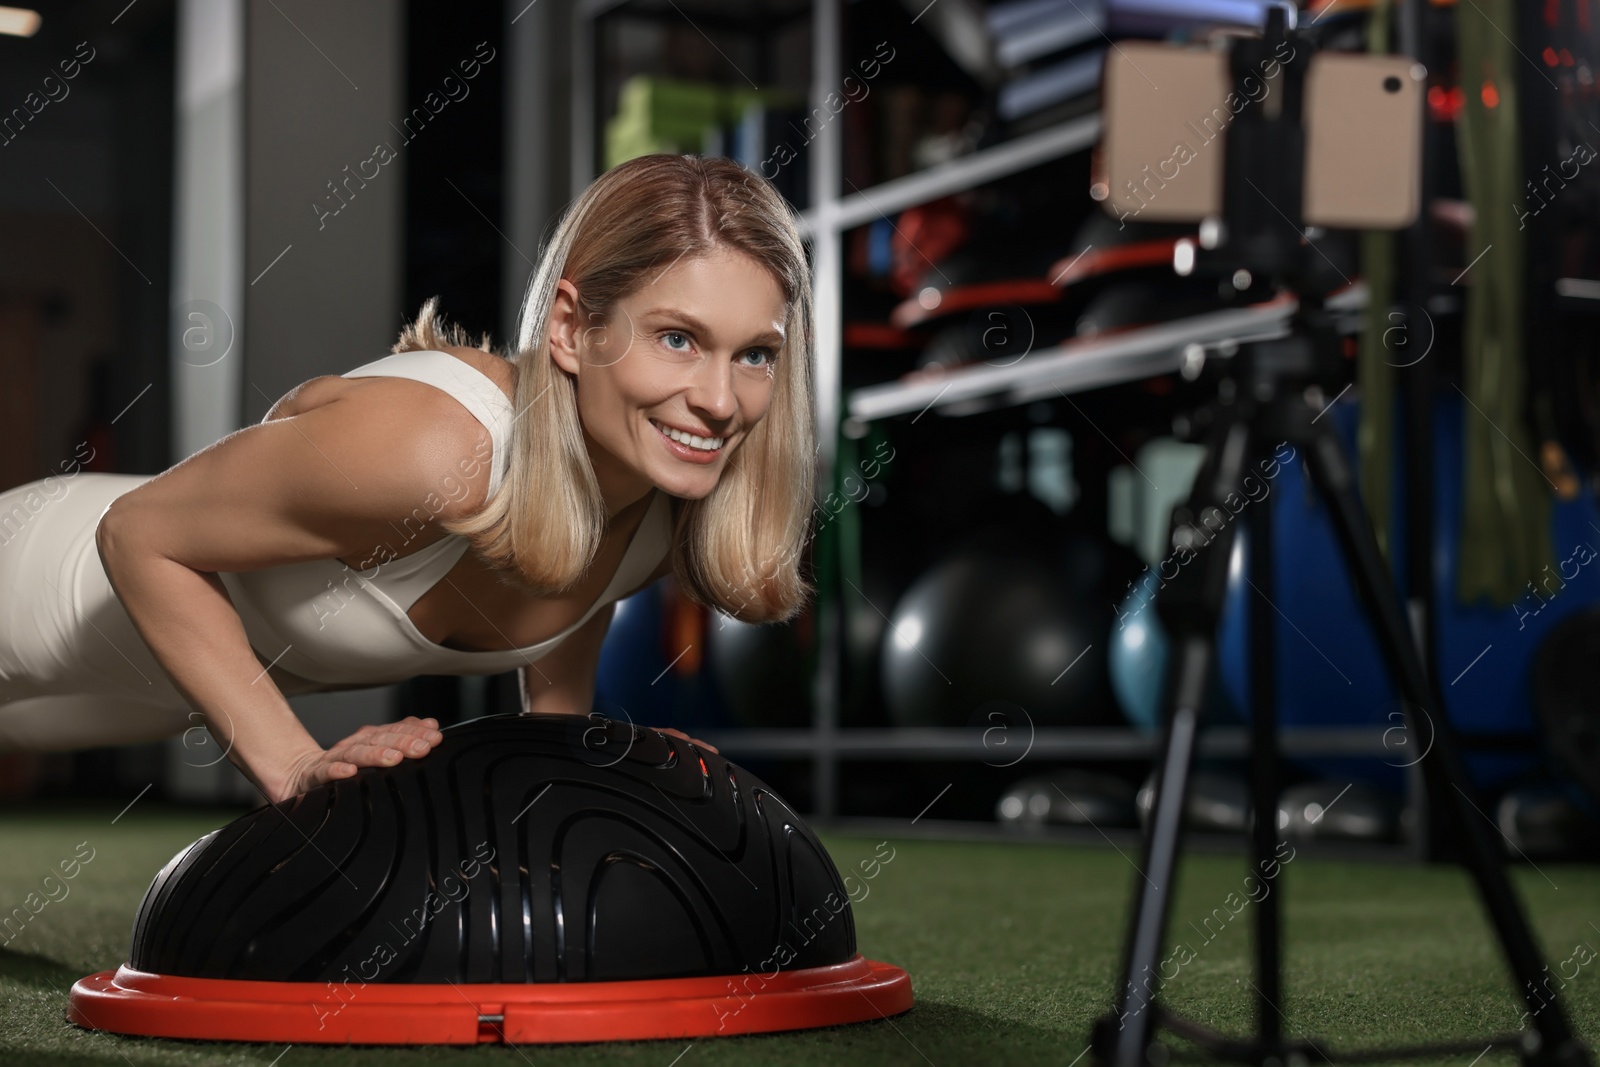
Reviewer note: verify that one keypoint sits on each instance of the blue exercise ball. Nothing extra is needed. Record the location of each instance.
(641, 677)
(1137, 659)
(1330, 669)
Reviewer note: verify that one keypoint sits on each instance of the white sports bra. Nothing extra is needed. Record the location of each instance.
(329, 623)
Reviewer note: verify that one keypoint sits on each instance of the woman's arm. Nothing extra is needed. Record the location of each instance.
(562, 682)
(321, 484)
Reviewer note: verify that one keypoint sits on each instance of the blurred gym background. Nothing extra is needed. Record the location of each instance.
(204, 203)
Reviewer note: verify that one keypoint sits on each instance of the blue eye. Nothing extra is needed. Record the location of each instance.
(676, 333)
(767, 355)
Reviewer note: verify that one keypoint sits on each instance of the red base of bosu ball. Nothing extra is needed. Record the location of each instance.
(126, 1001)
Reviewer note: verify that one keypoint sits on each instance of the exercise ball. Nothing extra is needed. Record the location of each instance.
(980, 626)
(1137, 662)
(645, 674)
(866, 600)
(1330, 670)
(1567, 698)
(631, 658)
(538, 878)
(1137, 656)
(764, 671)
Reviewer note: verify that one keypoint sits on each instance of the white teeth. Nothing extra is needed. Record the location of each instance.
(704, 444)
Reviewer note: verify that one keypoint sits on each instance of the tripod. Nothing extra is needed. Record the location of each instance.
(1261, 400)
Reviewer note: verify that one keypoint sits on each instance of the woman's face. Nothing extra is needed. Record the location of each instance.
(692, 355)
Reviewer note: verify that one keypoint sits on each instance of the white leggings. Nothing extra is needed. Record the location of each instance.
(74, 672)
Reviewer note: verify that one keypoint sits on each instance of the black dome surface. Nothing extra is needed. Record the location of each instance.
(539, 848)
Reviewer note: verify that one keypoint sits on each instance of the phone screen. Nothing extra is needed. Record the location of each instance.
(1167, 109)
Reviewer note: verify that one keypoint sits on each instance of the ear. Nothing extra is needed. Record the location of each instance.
(564, 328)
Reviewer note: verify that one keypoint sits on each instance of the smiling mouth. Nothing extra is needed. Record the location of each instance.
(689, 440)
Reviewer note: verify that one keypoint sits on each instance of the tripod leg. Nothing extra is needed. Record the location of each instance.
(1442, 765)
(1264, 777)
(1190, 605)
(1134, 1022)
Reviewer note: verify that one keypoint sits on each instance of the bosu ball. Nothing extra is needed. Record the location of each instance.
(535, 878)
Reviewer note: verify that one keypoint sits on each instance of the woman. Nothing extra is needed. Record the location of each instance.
(446, 509)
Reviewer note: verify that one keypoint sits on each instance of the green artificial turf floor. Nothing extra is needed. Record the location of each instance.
(1011, 947)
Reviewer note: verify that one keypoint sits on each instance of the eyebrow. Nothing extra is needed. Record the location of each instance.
(770, 337)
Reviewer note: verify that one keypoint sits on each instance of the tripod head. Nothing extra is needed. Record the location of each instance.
(1257, 246)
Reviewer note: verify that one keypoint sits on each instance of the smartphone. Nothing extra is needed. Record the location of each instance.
(1167, 109)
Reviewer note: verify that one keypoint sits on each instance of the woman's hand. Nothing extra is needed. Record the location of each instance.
(370, 746)
(686, 737)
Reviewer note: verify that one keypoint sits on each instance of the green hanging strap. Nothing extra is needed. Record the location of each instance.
(1505, 521)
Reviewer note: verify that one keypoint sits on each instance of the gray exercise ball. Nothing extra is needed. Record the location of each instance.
(981, 626)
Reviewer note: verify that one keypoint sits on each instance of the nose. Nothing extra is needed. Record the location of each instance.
(711, 390)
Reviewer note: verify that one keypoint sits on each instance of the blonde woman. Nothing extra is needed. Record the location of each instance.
(446, 509)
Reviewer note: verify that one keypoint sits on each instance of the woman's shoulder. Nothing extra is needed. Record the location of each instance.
(497, 369)
(431, 378)
(325, 388)
(418, 427)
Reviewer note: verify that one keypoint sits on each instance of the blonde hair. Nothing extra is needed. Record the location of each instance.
(738, 549)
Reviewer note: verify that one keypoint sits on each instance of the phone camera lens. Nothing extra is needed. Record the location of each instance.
(1391, 84)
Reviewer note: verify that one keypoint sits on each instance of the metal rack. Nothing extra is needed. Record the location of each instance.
(1073, 367)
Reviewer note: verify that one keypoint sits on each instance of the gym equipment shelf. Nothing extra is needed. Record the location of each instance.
(1075, 366)
(958, 175)
(1062, 742)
